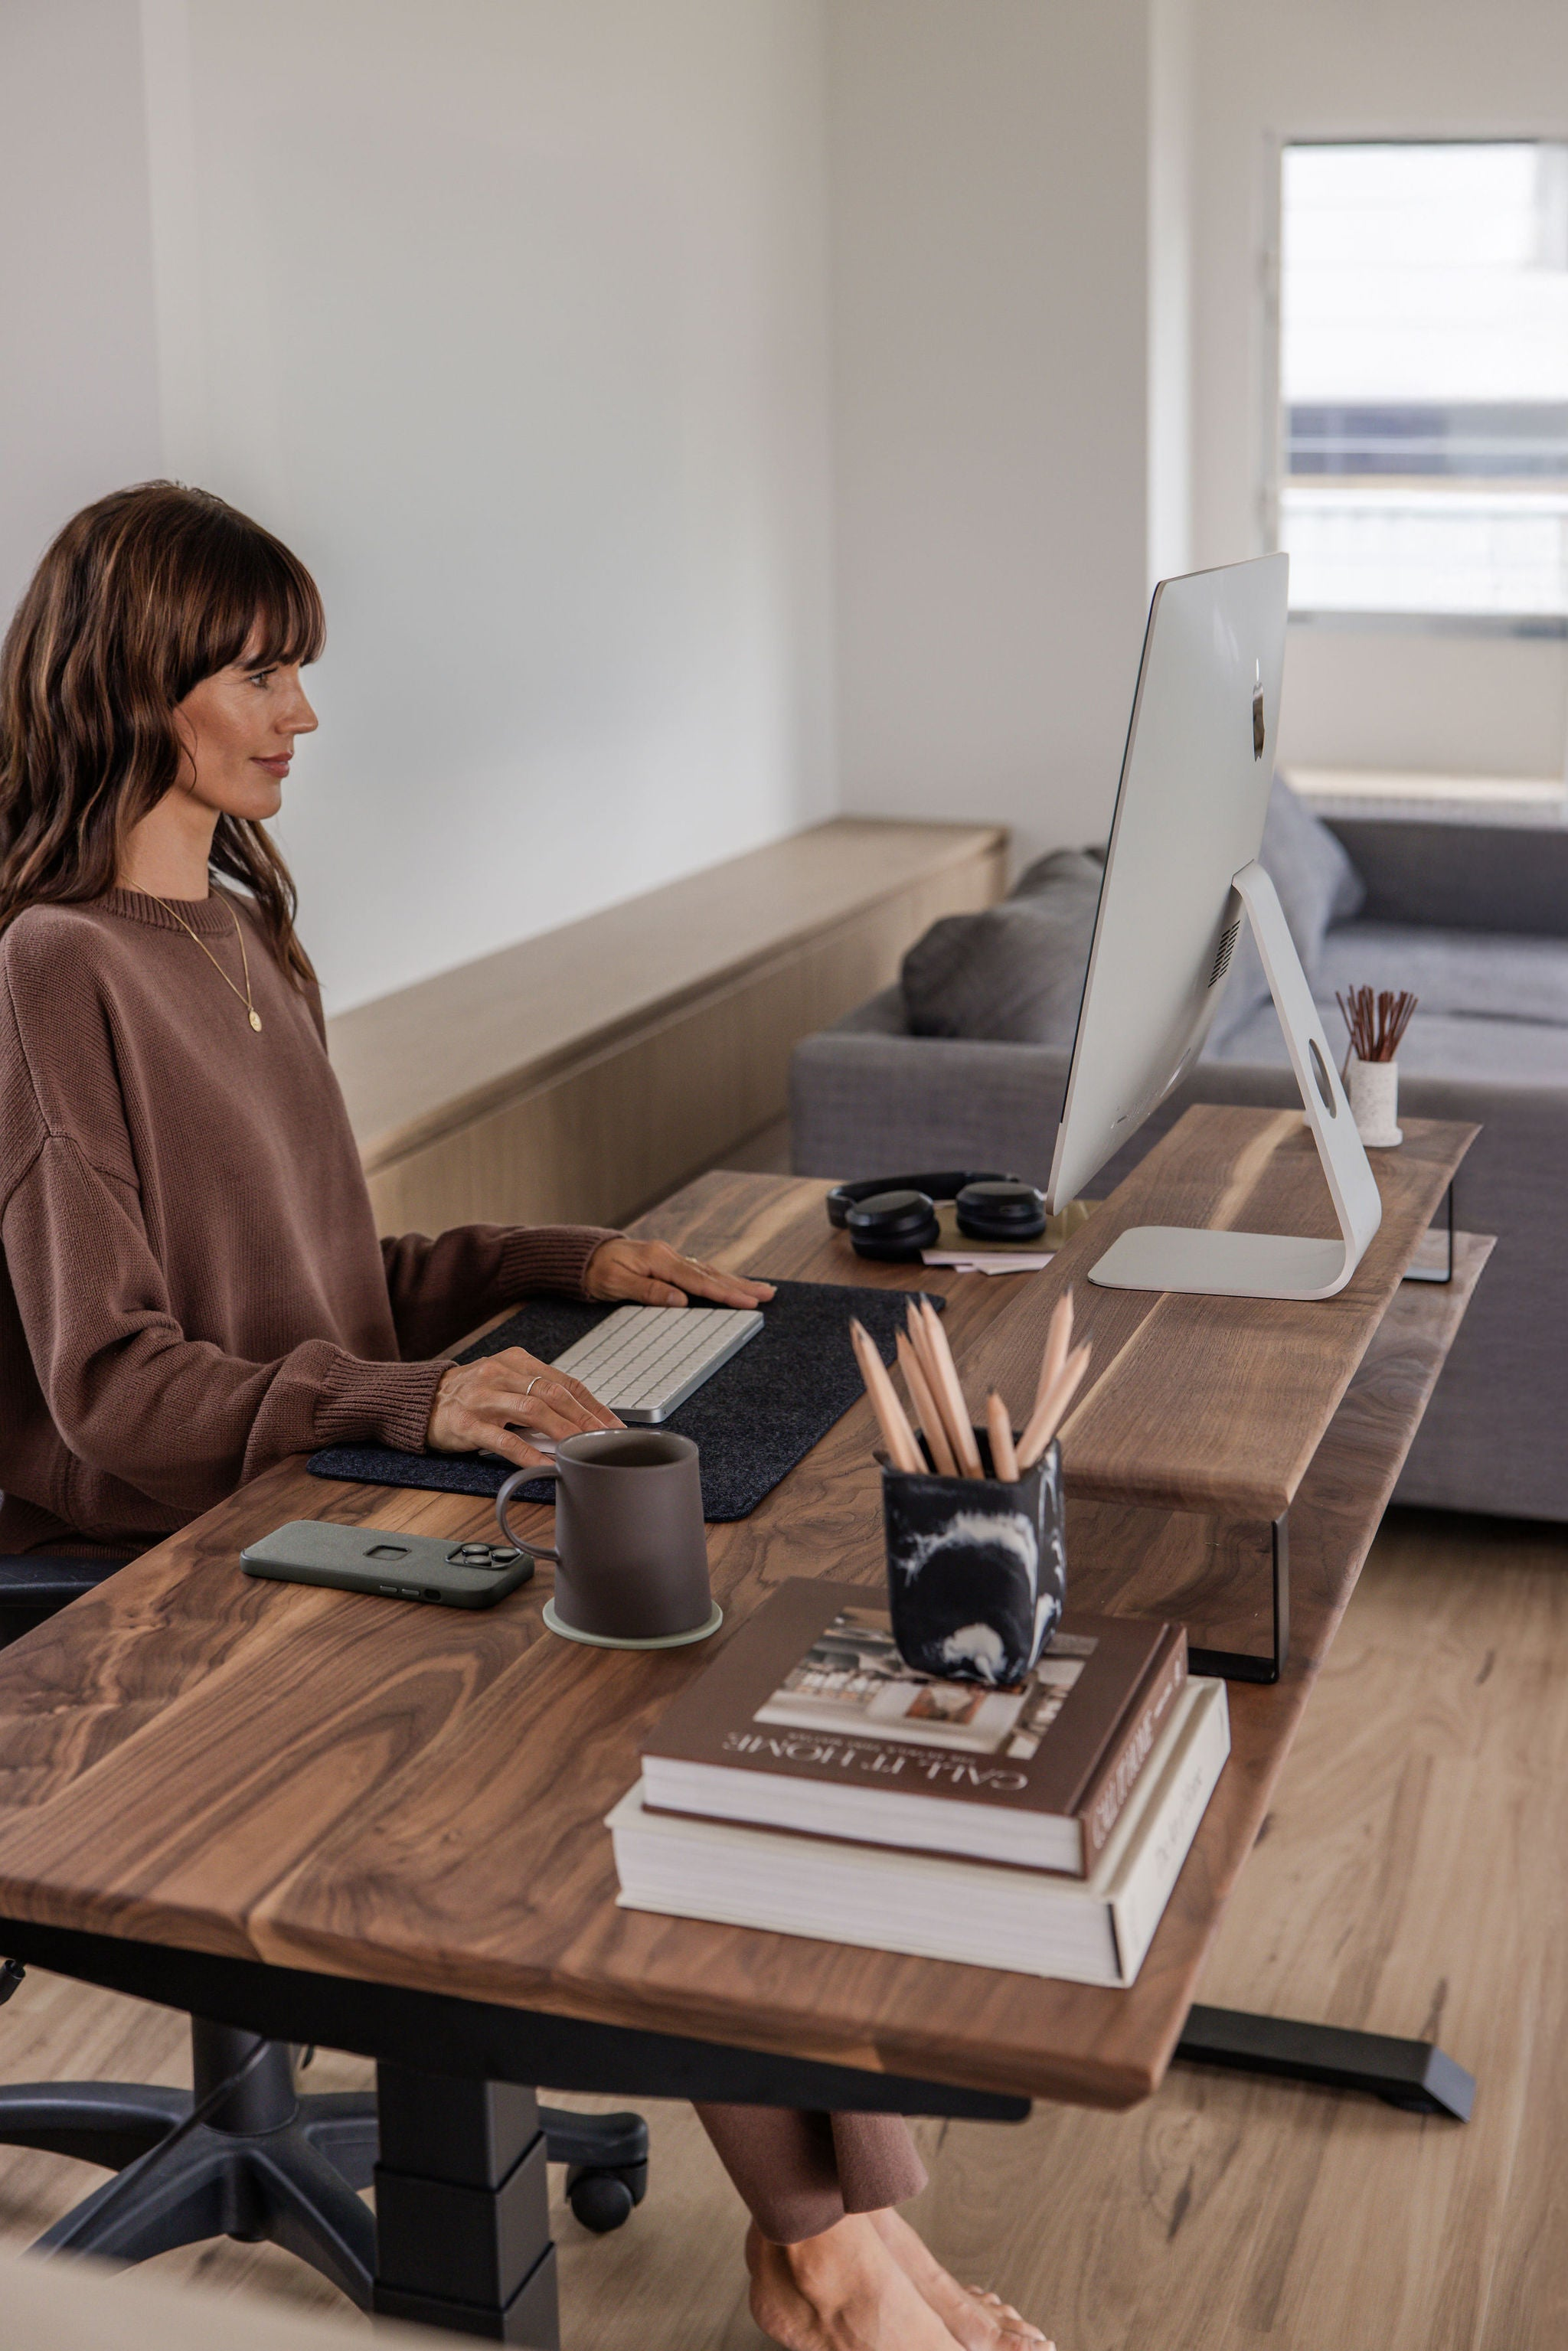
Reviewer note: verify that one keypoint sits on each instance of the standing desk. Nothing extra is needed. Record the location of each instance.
(307, 1815)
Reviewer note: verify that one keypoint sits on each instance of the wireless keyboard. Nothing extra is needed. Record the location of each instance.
(644, 1361)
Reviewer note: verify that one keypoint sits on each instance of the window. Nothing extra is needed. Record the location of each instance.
(1424, 378)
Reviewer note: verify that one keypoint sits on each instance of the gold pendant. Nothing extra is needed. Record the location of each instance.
(255, 1019)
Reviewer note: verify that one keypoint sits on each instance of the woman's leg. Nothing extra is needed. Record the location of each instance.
(833, 2267)
(799, 2173)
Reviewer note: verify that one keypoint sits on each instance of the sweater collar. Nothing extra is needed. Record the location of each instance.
(210, 917)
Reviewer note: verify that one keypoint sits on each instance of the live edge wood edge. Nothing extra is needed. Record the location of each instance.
(272, 1773)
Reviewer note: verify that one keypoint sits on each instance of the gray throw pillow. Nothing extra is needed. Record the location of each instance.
(1318, 887)
(1014, 972)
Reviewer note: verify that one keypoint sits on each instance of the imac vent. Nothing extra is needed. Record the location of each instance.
(1224, 951)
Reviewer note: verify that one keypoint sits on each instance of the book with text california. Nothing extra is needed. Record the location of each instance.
(810, 1720)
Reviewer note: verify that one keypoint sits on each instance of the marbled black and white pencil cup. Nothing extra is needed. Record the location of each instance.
(977, 1569)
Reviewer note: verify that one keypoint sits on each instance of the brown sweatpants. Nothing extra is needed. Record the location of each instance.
(799, 2172)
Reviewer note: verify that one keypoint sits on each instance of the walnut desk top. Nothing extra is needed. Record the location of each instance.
(200, 1765)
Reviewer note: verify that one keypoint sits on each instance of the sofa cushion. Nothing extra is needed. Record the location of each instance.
(1014, 972)
(1463, 1051)
(1317, 885)
(1471, 975)
(881, 1015)
(1491, 1010)
(1311, 869)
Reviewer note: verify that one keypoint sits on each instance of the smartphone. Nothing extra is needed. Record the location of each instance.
(396, 1566)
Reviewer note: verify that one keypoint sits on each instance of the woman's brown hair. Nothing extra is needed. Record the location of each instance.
(140, 598)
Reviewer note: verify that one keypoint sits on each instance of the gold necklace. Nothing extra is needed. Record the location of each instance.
(246, 999)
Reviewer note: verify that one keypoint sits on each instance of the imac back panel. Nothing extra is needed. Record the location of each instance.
(1190, 810)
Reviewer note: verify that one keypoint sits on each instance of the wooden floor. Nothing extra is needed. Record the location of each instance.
(1412, 1878)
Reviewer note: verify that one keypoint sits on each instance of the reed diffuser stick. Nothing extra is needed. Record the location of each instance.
(1377, 1021)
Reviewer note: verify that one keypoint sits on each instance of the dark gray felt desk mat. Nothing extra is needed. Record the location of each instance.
(759, 1416)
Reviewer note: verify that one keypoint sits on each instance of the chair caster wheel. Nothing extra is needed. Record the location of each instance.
(603, 2200)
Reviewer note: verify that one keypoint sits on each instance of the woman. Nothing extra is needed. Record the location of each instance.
(194, 1287)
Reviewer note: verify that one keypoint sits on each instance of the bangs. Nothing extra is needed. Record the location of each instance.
(247, 596)
(285, 612)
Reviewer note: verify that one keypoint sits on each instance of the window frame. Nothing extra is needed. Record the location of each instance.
(1270, 309)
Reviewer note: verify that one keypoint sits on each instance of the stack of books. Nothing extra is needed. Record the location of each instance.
(810, 1783)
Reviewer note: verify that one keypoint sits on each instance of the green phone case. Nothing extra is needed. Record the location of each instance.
(395, 1566)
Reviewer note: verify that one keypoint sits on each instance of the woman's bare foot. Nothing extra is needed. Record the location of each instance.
(840, 2292)
(981, 2321)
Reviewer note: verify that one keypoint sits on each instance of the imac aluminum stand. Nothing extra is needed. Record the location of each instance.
(1268, 1265)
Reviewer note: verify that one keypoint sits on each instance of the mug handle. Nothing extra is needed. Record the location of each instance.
(524, 1478)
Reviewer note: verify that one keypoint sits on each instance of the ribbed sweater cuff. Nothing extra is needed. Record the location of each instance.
(548, 1257)
(381, 1403)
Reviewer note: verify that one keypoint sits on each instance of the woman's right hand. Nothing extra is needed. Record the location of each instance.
(477, 1404)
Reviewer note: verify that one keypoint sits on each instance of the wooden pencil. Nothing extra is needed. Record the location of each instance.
(926, 1412)
(1058, 1342)
(1051, 1411)
(897, 1434)
(951, 1423)
(961, 1428)
(999, 1420)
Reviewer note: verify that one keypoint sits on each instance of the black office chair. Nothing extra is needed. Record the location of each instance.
(243, 2153)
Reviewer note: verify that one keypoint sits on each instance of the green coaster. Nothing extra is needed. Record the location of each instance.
(661, 1641)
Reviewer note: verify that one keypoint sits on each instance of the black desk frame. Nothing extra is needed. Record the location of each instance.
(1414, 2076)
(463, 2243)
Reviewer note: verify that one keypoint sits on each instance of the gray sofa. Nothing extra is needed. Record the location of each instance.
(1475, 919)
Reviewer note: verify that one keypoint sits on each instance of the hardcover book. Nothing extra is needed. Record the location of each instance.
(1093, 1930)
(810, 1720)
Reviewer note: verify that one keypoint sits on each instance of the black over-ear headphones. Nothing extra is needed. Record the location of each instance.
(894, 1218)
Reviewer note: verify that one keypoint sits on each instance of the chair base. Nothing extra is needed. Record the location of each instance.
(267, 2165)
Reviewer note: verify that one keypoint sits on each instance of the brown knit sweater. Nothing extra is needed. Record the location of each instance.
(193, 1286)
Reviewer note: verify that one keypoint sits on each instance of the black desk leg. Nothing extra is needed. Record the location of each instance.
(1431, 1273)
(1244, 1664)
(461, 2209)
(1413, 2074)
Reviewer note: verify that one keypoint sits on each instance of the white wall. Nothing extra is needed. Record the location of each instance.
(1266, 70)
(512, 319)
(509, 315)
(996, 489)
(78, 401)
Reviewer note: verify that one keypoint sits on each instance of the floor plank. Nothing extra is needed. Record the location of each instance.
(1412, 1876)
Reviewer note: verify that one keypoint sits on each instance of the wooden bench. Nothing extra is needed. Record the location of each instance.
(583, 1074)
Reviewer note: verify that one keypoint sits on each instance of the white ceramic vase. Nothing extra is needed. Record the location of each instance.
(1374, 1089)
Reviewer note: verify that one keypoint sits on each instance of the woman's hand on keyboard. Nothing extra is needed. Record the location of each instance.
(486, 1407)
(654, 1274)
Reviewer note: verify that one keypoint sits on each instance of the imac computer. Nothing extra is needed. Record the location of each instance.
(1181, 877)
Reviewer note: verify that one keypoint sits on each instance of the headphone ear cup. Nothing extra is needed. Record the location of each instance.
(892, 1227)
(999, 1208)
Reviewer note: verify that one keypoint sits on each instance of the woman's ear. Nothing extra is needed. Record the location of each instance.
(186, 736)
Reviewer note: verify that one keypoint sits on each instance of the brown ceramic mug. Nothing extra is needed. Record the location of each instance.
(630, 1547)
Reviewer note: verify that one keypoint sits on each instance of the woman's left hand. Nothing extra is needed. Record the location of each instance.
(654, 1274)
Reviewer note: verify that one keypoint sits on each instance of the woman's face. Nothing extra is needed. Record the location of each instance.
(238, 728)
